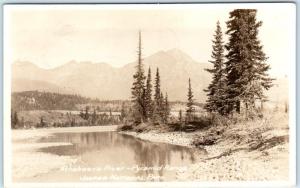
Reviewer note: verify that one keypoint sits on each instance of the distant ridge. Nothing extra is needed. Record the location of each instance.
(105, 82)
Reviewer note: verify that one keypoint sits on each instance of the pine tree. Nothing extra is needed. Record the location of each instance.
(161, 107)
(148, 96)
(138, 87)
(167, 109)
(190, 104)
(180, 116)
(123, 112)
(42, 122)
(157, 86)
(157, 97)
(73, 122)
(87, 115)
(81, 114)
(94, 116)
(14, 119)
(246, 67)
(216, 89)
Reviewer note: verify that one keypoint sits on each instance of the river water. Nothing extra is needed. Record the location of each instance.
(111, 156)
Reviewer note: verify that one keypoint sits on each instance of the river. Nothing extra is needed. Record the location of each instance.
(112, 156)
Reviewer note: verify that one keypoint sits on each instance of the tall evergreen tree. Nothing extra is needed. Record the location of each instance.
(81, 114)
(14, 119)
(157, 97)
(157, 86)
(94, 116)
(123, 112)
(87, 115)
(161, 106)
(110, 112)
(190, 104)
(216, 89)
(180, 115)
(148, 96)
(167, 109)
(246, 67)
(138, 87)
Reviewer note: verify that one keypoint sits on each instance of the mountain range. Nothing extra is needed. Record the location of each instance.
(105, 82)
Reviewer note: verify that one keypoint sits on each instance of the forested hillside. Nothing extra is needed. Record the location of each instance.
(36, 100)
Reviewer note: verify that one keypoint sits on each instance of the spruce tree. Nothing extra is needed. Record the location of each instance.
(14, 119)
(157, 86)
(81, 114)
(42, 122)
(86, 115)
(190, 104)
(180, 116)
(148, 96)
(94, 116)
(246, 67)
(123, 112)
(216, 89)
(156, 102)
(167, 109)
(138, 87)
(161, 106)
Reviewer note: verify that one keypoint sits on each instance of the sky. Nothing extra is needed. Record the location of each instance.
(52, 35)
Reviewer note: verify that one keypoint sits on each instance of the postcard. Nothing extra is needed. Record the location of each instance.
(137, 95)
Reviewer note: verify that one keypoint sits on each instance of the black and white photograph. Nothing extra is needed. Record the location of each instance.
(149, 93)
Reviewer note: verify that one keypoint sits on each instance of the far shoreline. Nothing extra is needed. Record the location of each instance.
(102, 128)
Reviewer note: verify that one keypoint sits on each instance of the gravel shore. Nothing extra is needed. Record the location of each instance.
(251, 151)
(176, 138)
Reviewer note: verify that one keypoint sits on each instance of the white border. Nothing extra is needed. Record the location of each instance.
(7, 163)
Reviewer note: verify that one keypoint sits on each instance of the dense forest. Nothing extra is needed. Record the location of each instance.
(37, 100)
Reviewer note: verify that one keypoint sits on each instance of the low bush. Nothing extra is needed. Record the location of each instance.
(125, 128)
(204, 141)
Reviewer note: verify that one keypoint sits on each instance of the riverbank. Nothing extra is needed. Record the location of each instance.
(252, 151)
(25, 154)
(42, 132)
(175, 138)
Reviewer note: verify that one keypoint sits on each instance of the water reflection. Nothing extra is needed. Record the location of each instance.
(112, 148)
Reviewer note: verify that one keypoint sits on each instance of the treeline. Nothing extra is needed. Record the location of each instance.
(37, 100)
(149, 104)
(43, 119)
(146, 107)
(106, 105)
(95, 118)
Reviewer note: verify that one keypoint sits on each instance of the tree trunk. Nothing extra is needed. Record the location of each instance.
(246, 104)
(238, 107)
(261, 105)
